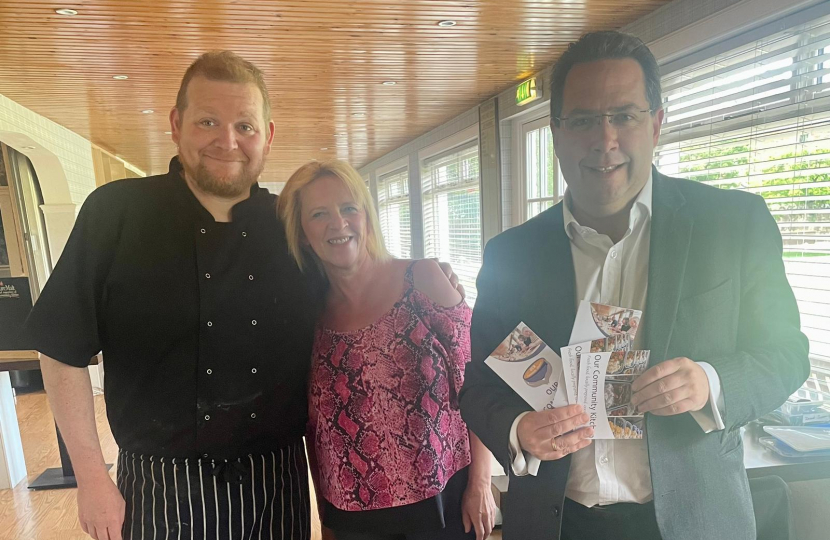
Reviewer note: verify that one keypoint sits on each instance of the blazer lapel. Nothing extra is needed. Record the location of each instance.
(553, 289)
(671, 231)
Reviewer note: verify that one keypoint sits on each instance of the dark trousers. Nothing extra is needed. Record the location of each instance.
(623, 521)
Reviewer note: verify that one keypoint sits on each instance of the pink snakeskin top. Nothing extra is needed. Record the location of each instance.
(383, 404)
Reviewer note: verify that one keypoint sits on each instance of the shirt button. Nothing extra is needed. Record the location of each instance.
(202, 231)
(253, 415)
(207, 276)
(244, 233)
(209, 371)
(613, 254)
(604, 460)
(210, 323)
(251, 277)
(253, 322)
(253, 370)
(207, 417)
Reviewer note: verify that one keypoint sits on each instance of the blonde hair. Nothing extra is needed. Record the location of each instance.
(290, 208)
(224, 66)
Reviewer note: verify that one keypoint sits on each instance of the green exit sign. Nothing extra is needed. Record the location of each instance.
(526, 92)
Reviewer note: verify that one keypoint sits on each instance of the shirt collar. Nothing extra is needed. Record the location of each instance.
(260, 197)
(639, 211)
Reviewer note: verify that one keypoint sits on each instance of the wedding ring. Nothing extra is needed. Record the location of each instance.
(553, 445)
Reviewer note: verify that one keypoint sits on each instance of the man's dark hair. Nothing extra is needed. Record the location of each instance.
(596, 46)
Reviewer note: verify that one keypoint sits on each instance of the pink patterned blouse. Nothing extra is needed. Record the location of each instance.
(384, 404)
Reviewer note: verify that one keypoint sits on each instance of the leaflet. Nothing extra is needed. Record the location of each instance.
(599, 321)
(570, 358)
(604, 392)
(531, 368)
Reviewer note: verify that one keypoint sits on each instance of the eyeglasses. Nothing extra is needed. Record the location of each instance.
(620, 120)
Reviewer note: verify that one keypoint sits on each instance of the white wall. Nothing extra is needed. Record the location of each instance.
(74, 153)
(62, 160)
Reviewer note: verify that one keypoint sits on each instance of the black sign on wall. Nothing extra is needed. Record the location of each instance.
(15, 305)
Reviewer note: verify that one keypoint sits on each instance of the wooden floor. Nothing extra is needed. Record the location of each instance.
(53, 514)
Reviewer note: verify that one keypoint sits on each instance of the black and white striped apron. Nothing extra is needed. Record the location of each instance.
(260, 497)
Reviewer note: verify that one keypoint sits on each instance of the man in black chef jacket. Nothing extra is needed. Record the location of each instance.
(184, 281)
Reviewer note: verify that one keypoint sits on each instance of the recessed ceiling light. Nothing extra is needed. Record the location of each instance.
(446, 24)
(27, 147)
(389, 83)
(168, 132)
(324, 148)
(358, 115)
(66, 12)
(147, 111)
(120, 77)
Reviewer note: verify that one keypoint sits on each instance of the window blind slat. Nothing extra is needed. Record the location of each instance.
(727, 121)
(804, 60)
(732, 63)
(746, 93)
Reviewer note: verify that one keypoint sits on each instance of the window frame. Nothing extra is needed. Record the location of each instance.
(468, 137)
(559, 185)
(519, 126)
(12, 221)
(394, 166)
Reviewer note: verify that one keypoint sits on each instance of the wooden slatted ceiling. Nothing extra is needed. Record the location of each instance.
(324, 63)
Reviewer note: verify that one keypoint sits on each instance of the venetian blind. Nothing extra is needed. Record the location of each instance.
(757, 119)
(393, 212)
(452, 212)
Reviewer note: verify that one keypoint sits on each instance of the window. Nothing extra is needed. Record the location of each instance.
(4, 188)
(393, 212)
(543, 183)
(12, 246)
(452, 212)
(758, 119)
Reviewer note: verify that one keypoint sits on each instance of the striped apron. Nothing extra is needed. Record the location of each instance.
(262, 497)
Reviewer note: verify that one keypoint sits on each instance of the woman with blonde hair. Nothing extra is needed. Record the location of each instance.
(394, 460)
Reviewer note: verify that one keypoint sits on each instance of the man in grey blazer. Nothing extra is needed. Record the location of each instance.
(720, 321)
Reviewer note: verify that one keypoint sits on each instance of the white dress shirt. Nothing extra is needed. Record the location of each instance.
(614, 471)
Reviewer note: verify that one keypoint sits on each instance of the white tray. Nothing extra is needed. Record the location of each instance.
(803, 439)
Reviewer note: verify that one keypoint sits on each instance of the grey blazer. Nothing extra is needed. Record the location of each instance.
(717, 292)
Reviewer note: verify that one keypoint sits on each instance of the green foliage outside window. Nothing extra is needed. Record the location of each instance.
(795, 184)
